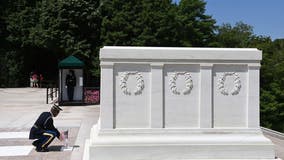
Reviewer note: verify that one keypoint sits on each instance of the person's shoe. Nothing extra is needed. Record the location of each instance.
(39, 149)
(35, 143)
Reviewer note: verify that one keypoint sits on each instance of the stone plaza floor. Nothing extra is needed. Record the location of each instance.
(278, 145)
(20, 107)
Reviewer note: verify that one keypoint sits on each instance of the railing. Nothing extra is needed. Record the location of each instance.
(52, 94)
(91, 95)
(273, 133)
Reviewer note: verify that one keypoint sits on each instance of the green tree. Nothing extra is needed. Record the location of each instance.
(238, 36)
(57, 28)
(10, 59)
(272, 86)
(137, 23)
(195, 27)
(45, 30)
(156, 23)
(60, 25)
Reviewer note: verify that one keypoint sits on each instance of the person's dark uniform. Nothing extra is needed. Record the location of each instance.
(70, 83)
(43, 129)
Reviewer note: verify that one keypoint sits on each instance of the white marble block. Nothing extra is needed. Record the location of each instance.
(177, 104)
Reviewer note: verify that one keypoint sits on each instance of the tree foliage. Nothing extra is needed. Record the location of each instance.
(272, 86)
(195, 27)
(236, 36)
(54, 29)
(139, 23)
(70, 26)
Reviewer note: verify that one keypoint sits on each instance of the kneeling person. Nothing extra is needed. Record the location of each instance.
(44, 131)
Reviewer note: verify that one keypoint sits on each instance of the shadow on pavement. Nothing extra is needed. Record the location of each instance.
(59, 148)
(55, 148)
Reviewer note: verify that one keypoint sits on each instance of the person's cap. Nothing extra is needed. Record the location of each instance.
(56, 107)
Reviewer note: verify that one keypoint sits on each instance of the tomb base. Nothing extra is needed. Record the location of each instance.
(178, 144)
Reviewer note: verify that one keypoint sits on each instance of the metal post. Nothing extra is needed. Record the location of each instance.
(46, 95)
(56, 89)
(51, 94)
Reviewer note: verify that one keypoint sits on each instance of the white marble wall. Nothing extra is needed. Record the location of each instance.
(190, 91)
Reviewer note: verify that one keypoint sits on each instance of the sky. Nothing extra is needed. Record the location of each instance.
(265, 16)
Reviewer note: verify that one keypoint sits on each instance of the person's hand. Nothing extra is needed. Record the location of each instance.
(65, 86)
(61, 137)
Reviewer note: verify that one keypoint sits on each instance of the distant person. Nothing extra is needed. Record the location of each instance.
(70, 83)
(35, 80)
(44, 131)
(31, 79)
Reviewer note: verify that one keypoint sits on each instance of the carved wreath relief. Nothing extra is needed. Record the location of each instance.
(188, 83)
(237, 83)
(139, 83)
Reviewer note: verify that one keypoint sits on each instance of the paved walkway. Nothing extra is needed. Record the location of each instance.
(20, 107)
(278, 145)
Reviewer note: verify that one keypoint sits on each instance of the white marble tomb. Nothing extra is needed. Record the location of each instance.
(177, 104)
